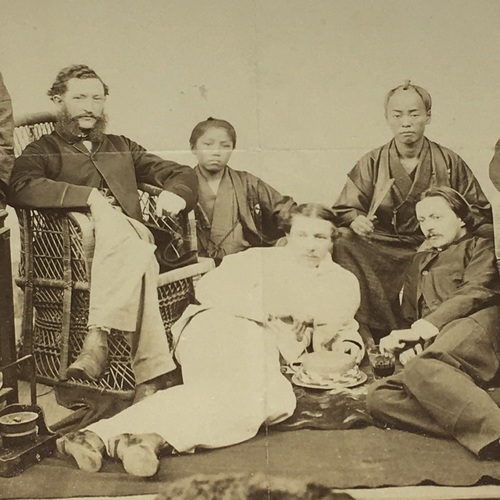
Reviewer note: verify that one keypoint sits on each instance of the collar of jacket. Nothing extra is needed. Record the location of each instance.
(74, 139)
(466, 236)
(432, 253)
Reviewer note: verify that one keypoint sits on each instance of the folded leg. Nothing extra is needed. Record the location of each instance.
(439, 391)
(232, 385)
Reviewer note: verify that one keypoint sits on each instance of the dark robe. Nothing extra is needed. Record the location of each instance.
(495, 167)
(495, 179)
(379, 261)
(6, 141)
(251, 216)
(221, 232)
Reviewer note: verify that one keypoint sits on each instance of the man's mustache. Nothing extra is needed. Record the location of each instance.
(71, 125)
(86, 115)
(430, 235)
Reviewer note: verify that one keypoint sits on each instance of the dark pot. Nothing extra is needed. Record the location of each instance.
(18, 424)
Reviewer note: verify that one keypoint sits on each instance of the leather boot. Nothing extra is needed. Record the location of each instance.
(92, 361)
(138, 452)
(86, 447)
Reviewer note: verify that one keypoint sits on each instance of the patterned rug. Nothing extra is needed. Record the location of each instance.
(335, 409)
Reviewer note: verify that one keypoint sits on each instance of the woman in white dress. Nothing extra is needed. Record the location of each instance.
(259, 309)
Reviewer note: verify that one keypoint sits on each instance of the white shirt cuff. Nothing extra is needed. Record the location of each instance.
(425, 329)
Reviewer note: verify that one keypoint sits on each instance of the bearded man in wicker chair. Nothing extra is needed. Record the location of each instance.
(80, 167)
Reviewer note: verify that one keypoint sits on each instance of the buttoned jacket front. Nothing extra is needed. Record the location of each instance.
(455, 282)
(59, 172)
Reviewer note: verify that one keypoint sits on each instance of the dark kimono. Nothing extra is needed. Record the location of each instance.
(379, 261)
(6, 141)
(495, 179)
(495, 167)
(245, 212)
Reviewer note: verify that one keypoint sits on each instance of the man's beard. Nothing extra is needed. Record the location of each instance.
(69, 126)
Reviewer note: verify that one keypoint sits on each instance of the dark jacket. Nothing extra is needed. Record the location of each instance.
(458, 281)
(58, 172)
(495, 167)
(6, 141)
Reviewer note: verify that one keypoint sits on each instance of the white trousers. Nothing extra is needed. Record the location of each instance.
(123, 290)
(232, 385)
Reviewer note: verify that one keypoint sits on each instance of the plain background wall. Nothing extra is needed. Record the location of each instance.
(303, 81)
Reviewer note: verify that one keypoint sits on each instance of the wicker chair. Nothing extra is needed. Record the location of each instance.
(54, 277)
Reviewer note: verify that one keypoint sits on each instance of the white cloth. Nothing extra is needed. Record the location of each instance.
(270, 281)
(230, 363)
(232, 385)
(123, 291)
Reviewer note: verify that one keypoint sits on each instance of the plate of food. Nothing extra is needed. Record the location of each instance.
(312, 380)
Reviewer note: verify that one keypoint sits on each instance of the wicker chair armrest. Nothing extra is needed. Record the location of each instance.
(155, 191)
(201, 267)
(150, 189)
(187, 221)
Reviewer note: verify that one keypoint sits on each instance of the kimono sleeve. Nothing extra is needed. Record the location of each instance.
(463, 180)
(274, 207)
(494, 169)
(409, 310)
(356, 195)
(6, 141)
